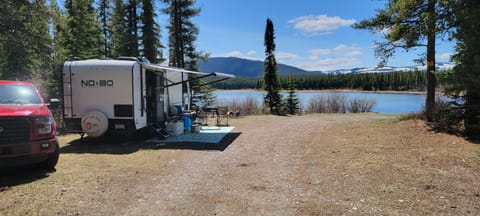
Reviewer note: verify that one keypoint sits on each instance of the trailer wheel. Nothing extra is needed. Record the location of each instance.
(94, 124)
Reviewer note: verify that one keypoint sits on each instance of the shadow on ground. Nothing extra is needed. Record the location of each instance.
(115, 145)
(14, 176)
(104, 145)
(21, 175)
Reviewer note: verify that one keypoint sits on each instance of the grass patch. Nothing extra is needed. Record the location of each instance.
(409, 116)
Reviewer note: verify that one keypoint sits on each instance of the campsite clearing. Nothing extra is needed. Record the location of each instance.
(367, 164)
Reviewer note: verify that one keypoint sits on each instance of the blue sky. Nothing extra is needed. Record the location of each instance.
(310, 34)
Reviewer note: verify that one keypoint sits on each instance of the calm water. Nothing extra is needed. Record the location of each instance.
(386, 103)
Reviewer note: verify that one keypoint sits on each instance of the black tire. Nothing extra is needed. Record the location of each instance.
(52, 159)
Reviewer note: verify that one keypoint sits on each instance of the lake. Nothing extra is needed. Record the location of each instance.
(390, 103)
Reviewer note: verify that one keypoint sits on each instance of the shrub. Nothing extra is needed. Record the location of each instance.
(447, 116)
(249, 106)
(339, 104)
(336, 103)
(361, 105)
(317, 105)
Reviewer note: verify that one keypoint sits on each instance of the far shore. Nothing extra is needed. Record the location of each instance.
(327, 90)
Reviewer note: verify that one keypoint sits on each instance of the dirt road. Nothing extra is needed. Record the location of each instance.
(258, 174)
(303, 165)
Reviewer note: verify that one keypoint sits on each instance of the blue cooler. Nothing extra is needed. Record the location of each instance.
(187, 122)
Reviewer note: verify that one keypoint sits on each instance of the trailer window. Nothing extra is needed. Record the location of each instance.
(18, 94)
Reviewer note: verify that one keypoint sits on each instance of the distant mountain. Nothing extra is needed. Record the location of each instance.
(245, 67)
(254, 68)
(386, 69)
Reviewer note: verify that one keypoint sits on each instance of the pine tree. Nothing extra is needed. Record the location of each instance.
(41, 58)
(82, 35)
(119, 30)
(182, 36)
(14, 38)
(25, 43)
(292, 99)
(132, 28)
(125, 28)
(272, 84)
(105, 17)
(465, 79)
(58, 24)
(151, 34)
(410, 23)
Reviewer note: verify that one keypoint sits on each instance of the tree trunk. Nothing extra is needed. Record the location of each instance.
(431, 79)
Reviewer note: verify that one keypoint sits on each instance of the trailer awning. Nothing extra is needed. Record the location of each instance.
(200, 75)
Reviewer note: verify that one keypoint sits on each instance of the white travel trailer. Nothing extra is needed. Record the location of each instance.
(123, 96)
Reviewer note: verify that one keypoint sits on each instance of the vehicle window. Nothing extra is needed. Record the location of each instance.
(18, 94)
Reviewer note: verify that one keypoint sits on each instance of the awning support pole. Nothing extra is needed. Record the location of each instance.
(196, 78)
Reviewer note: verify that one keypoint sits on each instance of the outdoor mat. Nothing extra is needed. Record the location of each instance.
(209, 138)
(208, 134)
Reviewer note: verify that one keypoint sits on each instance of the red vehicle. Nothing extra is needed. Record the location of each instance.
(27, 128)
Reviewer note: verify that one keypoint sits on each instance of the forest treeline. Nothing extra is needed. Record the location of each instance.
(38, 36)
(396, 81)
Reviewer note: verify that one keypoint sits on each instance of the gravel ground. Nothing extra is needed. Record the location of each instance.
(301, 165)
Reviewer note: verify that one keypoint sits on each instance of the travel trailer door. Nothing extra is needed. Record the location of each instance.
(155, 97)
(139, 96)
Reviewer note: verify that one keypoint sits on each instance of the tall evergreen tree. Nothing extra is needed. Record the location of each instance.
(272, 84)
(411, 23)
(119, 29)
(292, 99)
(82, 36)
(105, 9)
(465, 79)
(25, 43)
(182, 37)
(151, 34)
(42, 60)
(133, 27)
(57, 26)
(134, 30)
(14, 39)
(182, 34)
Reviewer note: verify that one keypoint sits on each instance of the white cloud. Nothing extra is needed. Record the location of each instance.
(249, 55)
(330, 64)
(444, 56)
(341, 56)
(341, 50)
(315, 53)
(348, 51)
(251, 52)
(237, 54)
(281, 56)
(319, 24)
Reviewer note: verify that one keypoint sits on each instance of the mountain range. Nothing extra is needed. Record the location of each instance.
(245, 67)
(253, 68)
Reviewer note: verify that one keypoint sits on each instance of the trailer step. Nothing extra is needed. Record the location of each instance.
(161, 132)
